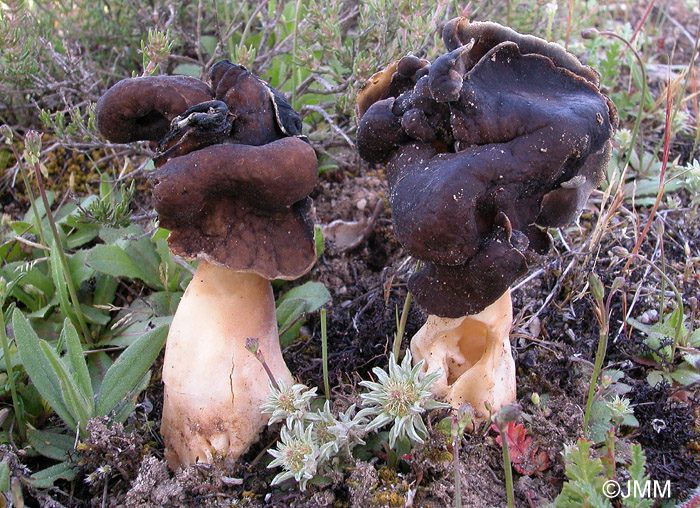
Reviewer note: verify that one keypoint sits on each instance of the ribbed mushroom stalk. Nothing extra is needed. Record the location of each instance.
(233, 177)
(500, 138)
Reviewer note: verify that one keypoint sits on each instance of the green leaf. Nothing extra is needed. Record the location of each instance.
(657, 376)
(685, 376)
(105, 289)
(113, 260)
(46, 477)
(638, 476)
(4, 476)
(76, 358)
(128, 404)
(53, 445)
(80, 408)
(120, 236)
(694, 339)
(188, 70)
(94, 316)
(129, 368)
(39, 368)
(209, 43)
(298, 301)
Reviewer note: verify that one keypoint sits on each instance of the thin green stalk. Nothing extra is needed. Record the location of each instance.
(295, 52)
(455, 470)
(19, 411)
(508, 470)
(401, 325)
(398, 338)
(324, 354)
(30, 194)
(602, 311)
(599, 357)
(64, 261)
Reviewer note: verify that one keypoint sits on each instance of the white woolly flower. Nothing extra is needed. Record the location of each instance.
(400, 396)
(297, 453)
(288, 403)
(349, 429)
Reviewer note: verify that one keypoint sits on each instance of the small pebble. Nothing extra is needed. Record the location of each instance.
(362, 204)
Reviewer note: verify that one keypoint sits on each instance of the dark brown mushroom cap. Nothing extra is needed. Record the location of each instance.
(521, 144)
(262, 113)
(484, 36)
(138, 109)
(235, 171)
(241, 206)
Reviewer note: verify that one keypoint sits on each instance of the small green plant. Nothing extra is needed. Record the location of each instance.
(65, 382)
(311, 442)
(610, 409)
(400, 396)
(659, 340)
(295, 305)
(112, 209)
(602, 313)
(589, 485)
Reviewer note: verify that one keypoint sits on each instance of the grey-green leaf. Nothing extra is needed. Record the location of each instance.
(51, 444)
(38, 367)
(129, 368)
(78, 365)
(46, 477)
(80, 408)
(113, 260)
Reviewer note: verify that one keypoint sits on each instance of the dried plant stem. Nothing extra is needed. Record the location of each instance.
(662, 177)
(324, 354)
(62, 256)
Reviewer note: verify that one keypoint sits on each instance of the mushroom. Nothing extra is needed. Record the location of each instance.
(498, 139)
(232, 182)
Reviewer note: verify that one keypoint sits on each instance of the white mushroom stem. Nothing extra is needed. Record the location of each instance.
(473, 352)
(213, 385)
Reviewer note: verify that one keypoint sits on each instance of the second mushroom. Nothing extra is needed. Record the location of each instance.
(500, 138)
(233, 177)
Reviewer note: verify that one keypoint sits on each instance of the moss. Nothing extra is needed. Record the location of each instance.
(438, 455)
(388, 476)
(388, 498)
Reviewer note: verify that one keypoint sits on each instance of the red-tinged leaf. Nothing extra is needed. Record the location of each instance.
(525, 456)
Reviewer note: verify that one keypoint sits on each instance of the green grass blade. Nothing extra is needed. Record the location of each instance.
(127, 371)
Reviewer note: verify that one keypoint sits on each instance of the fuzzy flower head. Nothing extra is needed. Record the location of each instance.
(297, 453)
(400, 396)
(335, 435)
(349, 429)
(288, 403)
